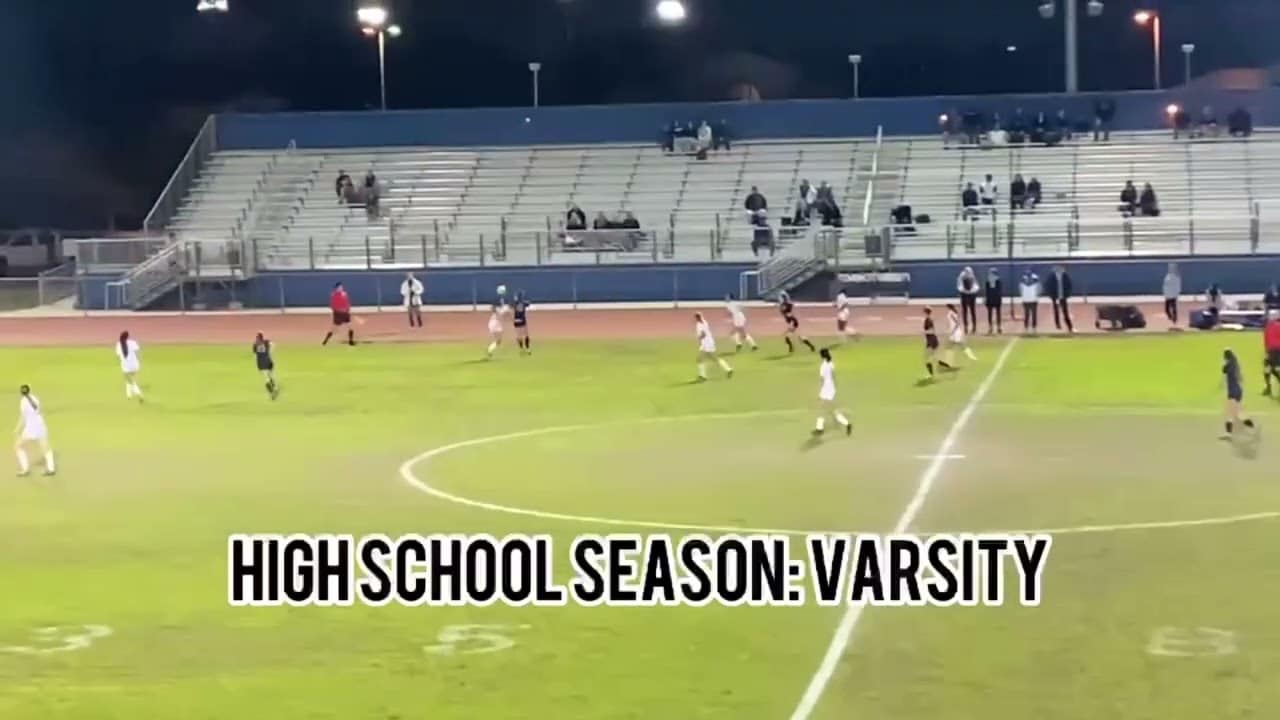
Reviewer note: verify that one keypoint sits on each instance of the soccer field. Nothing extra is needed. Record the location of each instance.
(1159, 592)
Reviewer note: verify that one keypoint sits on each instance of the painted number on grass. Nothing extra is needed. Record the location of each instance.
(48, 640)
(1191, 642)
(473, 639)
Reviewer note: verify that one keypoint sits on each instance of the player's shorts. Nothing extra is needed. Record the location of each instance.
(35, 431)
(1273, 359)
(1235, 392)
(341, 318)
(266, 365)
(931, 342)
(792, 322)
(519, 323)
(841, 324)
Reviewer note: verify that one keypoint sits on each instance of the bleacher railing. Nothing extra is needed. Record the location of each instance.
(166, 206)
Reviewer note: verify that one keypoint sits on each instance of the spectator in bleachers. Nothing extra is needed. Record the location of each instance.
(706, 139)
(669, 133)
(1104, 112)
(761, 233)
(575, 219)
(1017, 193)
(1128, 199)
(629, 221)
(801, 217)
(341, 185)
(1208, 124)
(828, 209)
(755, 201)
(988, 192)
(1148, 206)
(1181, 120)
(969, 201)
(947, 125)
(721, 136)
(371, 195)
(1033, 196)
(600, 223)
(1240, 123)
(1064, 124)
(807, 197)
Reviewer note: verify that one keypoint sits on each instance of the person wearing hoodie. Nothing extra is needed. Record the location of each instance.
(1029, 291)
(993, 298)
(968, 287)
(1172, 290)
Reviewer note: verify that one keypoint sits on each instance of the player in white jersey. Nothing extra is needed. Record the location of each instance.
(130, 363)
(827, 396)
(707, 348)
(31, 430)
(956, 338)
(844, 308)
(499, 310)
(739, 320)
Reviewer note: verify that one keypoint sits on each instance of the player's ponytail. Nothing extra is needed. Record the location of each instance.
(124, 344)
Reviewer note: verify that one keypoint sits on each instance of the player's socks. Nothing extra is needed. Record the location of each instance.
(821, 425)
(128, 391)
(1230, 427)
(702, 371)
(848, 426)
(24, 463)
(137, 391)
(790, 346)
(1248, 423)
(752, 342)
(811, 346)
(724, 365)
(929, 367)
(968, 352)
(351, 337)
(327, 336)
(492, 347)
(49, 467)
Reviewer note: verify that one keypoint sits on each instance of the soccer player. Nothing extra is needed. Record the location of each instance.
(827, 396)
(31, 430)
(707, 348)
(130, 363)
(1235, 394)
(956, 338)
(340, 306)
(931, 345)
(520, 320)
(1271, 343)
(788, 310)
(266, 365)
(739, 320)
(498, 309)
(843, 310)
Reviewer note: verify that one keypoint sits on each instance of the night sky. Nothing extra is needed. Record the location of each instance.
(100, 98)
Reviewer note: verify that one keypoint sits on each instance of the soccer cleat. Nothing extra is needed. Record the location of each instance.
(1225, 436)
(25, 474)
(817, 433)
(49, 473)
(848, 429)
(729, 374)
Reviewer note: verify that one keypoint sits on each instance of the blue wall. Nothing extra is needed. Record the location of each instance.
(641, 123)
(690, 283)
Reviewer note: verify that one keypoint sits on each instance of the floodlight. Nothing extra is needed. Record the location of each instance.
(1142, 17)
(374, 16)
(671, 11)
(393, 30)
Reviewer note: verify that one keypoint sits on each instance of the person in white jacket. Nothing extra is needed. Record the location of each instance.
(411, 293)
(968, 287)
(1029, 291)
(1172, 290)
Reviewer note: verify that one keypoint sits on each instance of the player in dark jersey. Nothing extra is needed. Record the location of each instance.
(931, 346)
(520, 321)
(1235, 393)
(266, 365)
(788, 310)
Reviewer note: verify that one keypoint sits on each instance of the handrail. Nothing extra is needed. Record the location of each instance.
(187, 159)
(871, 180)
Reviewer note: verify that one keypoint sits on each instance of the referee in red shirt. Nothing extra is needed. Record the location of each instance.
(1271, 340)
(340, 305)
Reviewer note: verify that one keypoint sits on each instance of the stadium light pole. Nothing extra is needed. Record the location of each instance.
(1152, 18)
(1187, 49)
(856, 61)
(373, 20)
(535, 68)
(1071, 17)
(671, 12)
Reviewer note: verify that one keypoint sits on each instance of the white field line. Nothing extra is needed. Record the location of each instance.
(844, 631)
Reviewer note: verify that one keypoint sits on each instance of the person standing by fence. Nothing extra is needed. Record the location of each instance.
(1058, 287)
(993, 298)
(1172, 290)
(411, 291)
(967, 287)
(1029, 290)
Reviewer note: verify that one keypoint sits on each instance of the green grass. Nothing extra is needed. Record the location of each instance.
(132, 533)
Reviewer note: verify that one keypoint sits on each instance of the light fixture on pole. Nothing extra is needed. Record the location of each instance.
(535, 68)
(856, 61)
(1152, 18)
(1187, 50)
(206, 6)
(374, 23)
(1071, 60)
